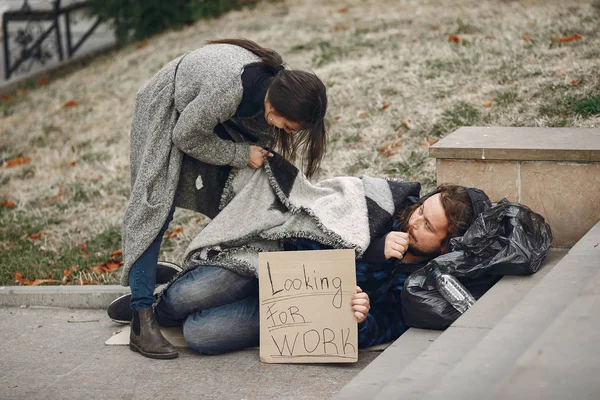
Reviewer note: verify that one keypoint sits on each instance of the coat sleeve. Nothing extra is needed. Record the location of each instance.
(194, 131)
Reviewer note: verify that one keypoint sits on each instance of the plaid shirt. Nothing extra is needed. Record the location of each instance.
(383, 282)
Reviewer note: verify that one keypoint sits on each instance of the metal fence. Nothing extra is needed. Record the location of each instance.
(37, 39)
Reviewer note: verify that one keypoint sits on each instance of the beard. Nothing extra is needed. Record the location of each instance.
(413, 247)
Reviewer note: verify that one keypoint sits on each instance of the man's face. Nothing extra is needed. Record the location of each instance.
(427, 227)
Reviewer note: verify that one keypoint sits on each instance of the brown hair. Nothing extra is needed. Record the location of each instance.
(297, 96)
(457, 206)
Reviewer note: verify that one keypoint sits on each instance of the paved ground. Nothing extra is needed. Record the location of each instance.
(58, 353)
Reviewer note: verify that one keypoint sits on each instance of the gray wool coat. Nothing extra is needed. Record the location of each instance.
(176, 157)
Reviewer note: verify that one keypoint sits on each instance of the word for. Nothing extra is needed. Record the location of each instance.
(275, 316)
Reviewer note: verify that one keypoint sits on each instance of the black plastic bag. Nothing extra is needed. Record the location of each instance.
(507, 239)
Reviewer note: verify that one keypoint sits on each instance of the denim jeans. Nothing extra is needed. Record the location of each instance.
(217, 308)
(142, 275)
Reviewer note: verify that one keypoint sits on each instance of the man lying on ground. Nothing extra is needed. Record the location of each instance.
(218, 305)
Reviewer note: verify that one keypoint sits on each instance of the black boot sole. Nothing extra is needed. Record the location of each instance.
(156, 356)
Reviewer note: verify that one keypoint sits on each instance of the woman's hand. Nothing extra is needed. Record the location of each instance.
(360, 305)
(396, 244)
(257, 156)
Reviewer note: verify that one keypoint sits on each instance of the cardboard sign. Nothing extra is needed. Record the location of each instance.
(305, 310)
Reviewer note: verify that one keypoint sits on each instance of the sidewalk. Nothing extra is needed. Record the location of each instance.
(59, 353)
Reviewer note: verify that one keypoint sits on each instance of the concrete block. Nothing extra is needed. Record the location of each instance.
(498, 179)
(566, 195)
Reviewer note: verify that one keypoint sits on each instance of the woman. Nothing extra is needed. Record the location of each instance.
(205, 112)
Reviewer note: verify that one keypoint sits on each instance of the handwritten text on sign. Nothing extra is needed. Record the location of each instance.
(305, 310)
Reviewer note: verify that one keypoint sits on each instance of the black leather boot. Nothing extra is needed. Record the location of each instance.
(146, 338)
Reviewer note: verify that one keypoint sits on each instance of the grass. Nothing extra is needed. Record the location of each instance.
(462, 114)
(391, 53)
(20, 253)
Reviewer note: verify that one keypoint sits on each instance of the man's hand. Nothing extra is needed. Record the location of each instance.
(360, 305)
(396, 244)
(257, 156)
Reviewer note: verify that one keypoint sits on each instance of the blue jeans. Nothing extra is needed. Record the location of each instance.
(217, 308)
(142, 275)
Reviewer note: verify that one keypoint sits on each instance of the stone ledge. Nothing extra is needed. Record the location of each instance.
(522, 144)
(96, 296)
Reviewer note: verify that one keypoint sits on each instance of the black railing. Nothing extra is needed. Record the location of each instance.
(36, 43)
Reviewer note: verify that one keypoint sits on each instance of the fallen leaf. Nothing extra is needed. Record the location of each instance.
(17, 161)
(199, 219)
(437, 27)
(174, 232)
(565, 116)
(112, 265)
(385, 106)
(340, 27)
(141, 45)
(487, 103)
(97, 269)
(431, 141)
(70, 103)
(73, 163)
(18, 277)
(337, 117)
(8, 204)
(82, 246)
(66, 273)
(362, 115)
(407, 123)
(567, 38)
(343, 10)
(453, 38)
(117, 253)
(35, 236)
(389, 149)
(5, 97)
(44, 80)
(574, 83)
(492, 37)
(526, 37)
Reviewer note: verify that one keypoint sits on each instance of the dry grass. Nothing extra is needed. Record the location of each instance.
(394, 80)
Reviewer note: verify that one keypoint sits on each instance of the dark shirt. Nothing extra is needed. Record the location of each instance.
(256, 80)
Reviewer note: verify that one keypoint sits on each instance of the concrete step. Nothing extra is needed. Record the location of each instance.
(405, 368)
(563, 361)
(389, 364)
(533, 325)
(417, 378)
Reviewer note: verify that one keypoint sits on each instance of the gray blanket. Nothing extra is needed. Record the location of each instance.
(262, 206)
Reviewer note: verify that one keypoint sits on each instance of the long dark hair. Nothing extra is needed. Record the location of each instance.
(298, 96)
(457, 206)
